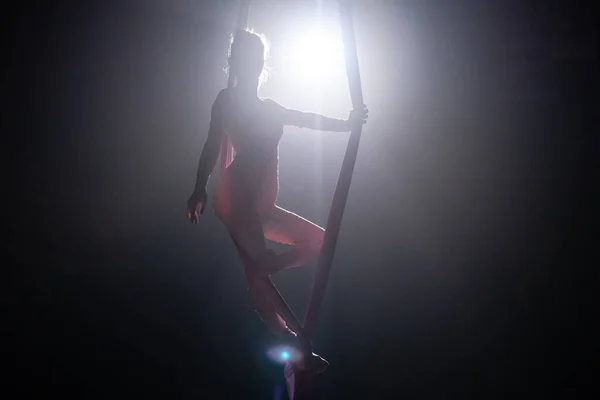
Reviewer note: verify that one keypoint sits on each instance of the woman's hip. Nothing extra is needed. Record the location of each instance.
(234, 198)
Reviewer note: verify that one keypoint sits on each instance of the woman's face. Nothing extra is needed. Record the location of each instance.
(247, 56)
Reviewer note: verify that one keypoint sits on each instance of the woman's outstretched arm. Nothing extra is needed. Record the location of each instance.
(210, 152)
(316, 121)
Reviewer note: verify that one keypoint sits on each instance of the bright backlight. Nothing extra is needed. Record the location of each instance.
(315, 54)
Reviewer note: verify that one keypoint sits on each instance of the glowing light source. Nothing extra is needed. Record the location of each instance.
(285, 355)
(315, 53)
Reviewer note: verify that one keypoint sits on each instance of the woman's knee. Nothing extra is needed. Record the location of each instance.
(309, 250)
(314, 241)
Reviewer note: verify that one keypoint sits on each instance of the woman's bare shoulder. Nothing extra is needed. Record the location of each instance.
(223, 96)
(274, 106)
(222, 102)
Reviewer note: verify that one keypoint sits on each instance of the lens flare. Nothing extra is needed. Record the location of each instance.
(283, 354)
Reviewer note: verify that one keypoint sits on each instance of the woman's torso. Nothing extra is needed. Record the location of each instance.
(251, 180)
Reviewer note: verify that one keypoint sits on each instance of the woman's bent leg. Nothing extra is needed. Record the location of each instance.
(282, 226)
(246, 230)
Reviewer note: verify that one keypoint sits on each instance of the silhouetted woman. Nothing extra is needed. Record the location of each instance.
(246, 194)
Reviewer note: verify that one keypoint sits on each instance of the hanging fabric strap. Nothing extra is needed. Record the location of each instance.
(227, 151)
(340, 196)
(302, 385)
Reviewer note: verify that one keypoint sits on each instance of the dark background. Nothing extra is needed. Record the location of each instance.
(464, 241)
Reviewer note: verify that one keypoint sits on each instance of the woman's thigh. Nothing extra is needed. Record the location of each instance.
(282, 226)
(235, 207)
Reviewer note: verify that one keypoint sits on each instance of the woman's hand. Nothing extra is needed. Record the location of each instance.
(196, 204)
(358, 117)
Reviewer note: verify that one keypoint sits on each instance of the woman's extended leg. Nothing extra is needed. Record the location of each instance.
(247, 232)
(234, 206)
(245, 228)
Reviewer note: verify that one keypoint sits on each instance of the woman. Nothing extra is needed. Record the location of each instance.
(245, 197)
